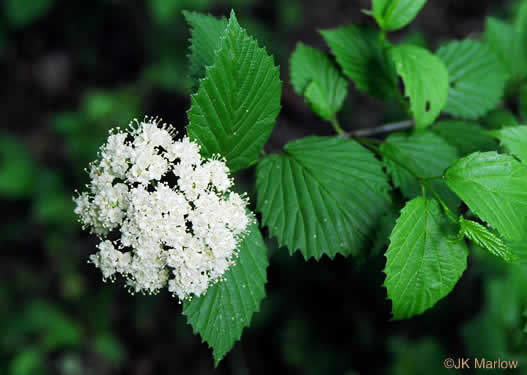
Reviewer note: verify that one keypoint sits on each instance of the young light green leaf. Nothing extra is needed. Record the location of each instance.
(326, 100)
(234, 110)
(427, 155)
(425, 80)
(467, 137)
(395, 14)
(476, 77)
(498, 118)
(323, 195)
(503, 39)
(493, 187)
(514, 138)
(424, 261)
(359, 52)
(206, 34)
(318, 79)
(226, 309)
(486, 239)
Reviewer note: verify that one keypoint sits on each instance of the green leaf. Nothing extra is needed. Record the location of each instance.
(503, 39)
(384, 228)
(53, 204)
(414, 356)
(493, 187)
(226, 309)
(500, 321)
(486, 239)
(467, 137)
(318, 79)
(17, 169)
(109, 347)
(165, 13)
(476, 77)
(522, 105)
(521, 25)
(323, 195)
(498, 118)
(55, 328)
(395, 14)
(359, 52)
(519, 248)
(521, 18)
(522, 102)
(427, 155)
(514, 138)
(27, 361)
(415, 38)
(424, 261)
(425, 80)
(234, 110)
(206, 34)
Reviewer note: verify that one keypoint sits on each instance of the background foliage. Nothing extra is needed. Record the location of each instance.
(71, 71)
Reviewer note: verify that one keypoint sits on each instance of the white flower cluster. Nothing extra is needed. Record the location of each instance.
(174, 220)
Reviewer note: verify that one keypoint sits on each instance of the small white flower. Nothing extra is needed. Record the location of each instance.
(110, 260)
(177, 223)
(219, 174)
(115, 154)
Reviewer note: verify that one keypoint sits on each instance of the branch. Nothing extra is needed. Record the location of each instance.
(386, 128)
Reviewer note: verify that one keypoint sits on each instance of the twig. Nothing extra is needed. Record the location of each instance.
(386, 128)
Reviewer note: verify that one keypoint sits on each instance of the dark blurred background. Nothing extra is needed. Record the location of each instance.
(70, 70)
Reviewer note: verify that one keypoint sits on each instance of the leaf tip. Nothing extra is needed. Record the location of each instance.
(233, 19)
